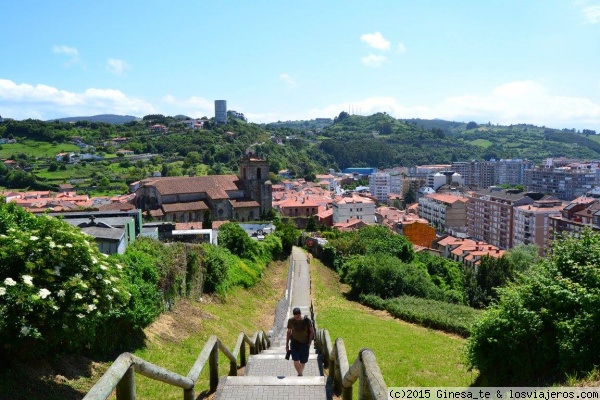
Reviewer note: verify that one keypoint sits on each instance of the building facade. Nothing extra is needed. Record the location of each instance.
(353, 206)
(221, 111)
(490, 214)
(532, 223)
(382, 184)
(566, 183)
(444, 211)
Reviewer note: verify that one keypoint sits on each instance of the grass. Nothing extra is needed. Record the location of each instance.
(173, 342)
(481, 143)
(36, 149)
(407, 354)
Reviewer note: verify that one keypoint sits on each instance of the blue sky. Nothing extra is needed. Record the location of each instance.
(499, 61)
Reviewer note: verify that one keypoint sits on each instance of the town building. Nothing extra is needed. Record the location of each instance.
(579, 214)
(382, 184)
(444, 211)
(490, 214)
(566, 183)
(353, 206)
(532, 223)
(243, 197)
(221, 111)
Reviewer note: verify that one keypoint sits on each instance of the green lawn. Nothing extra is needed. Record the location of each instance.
(407, 354)
(36, 149)
(481, 143)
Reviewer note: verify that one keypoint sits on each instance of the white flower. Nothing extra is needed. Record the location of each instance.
(55, 307)
(114, 278)
(68, 245)
(94, 260)
(57, 271)
(107, 282)
(83, 285)
(86, 269)
(28, 279)
(25, 330)
(43, 293)
(115, 290)
(104, 255)
(10, 282)
(65, 326)
(2, 290)
(93, 292)
(33, 238)
(109, 297)
(90, 307)
(99, 276)
(61, 293)
(103, 267)
(80, 315)
(78, 296)
(78, 275)
(119, 266)
(52, 245)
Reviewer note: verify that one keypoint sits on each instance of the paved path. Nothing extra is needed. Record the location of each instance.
(269, 375)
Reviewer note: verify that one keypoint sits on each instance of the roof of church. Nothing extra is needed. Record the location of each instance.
(215, 186)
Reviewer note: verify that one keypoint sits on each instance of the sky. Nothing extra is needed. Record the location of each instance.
(498, 61)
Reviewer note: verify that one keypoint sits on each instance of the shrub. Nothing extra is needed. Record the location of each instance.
(430, 313)
(544, 327)
(56, 288)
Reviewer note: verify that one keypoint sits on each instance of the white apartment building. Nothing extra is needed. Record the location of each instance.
(381, 184)
(444, 210)
(353, 206)
(532, 223)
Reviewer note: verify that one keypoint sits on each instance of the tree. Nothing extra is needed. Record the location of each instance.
(311, 225)
(545, 326)
(471, 125)
(410, 197)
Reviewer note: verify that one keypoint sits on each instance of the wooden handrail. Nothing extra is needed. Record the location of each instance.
(364, 369)
(121, 374)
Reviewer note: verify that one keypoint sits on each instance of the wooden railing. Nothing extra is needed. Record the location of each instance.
(121, 375)
(371, 385)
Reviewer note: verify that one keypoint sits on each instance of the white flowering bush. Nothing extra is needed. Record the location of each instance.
(56, 288)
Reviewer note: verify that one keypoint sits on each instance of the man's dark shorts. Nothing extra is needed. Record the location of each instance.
(299, 351)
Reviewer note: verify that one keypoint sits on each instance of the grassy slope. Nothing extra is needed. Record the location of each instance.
(408, 355)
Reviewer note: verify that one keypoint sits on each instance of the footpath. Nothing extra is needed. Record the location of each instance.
(268, 374)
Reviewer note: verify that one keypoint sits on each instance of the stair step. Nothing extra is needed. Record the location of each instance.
(281, 350)
(279, 366)
(270, 387)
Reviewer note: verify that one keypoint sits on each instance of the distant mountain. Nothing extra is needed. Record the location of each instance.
(107, 118)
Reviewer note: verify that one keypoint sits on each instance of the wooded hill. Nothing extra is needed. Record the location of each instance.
(378, 141)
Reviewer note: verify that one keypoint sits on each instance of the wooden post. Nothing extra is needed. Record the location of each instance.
(213, 364)
(243, 354)
(126, 386)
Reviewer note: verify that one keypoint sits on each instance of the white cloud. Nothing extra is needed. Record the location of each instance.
(592, 14)
(511, 103)
(376, 40)
(194, 107)
(46, 102)
(373, 60)
(401, 48)
(117, 66)
(71, 52)
(291, 82)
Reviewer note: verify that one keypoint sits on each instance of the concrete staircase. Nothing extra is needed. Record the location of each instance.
(268, 374)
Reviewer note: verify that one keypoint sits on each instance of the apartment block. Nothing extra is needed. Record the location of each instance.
(353, 206)
(532, 223)
(382, 184)
(443, 210)
(566, 183)
(490, 214)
